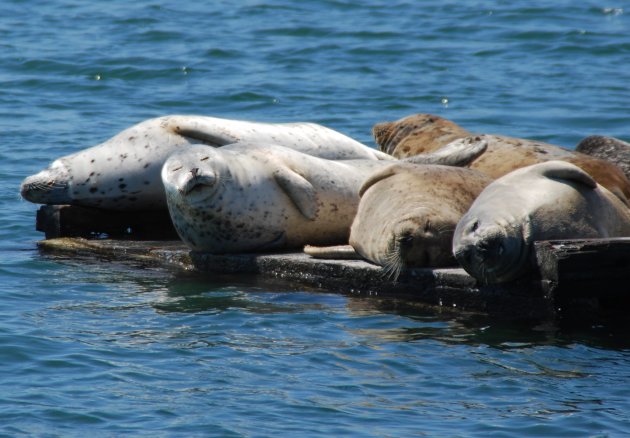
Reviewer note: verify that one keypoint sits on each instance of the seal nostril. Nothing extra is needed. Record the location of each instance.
(194, 171)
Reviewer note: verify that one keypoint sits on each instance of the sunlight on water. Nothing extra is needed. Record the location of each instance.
(111, 349)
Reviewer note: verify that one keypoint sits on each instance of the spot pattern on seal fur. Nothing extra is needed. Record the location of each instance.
(423, 133)
(247, 197)
(138, 153)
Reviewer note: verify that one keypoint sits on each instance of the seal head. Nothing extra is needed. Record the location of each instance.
(550, 200)
(416, 134)
(123, 173)
(251, 197)
(408, 212)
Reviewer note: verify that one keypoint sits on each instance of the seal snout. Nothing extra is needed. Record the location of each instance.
(196, 179)
(484, 251)
(50, 186)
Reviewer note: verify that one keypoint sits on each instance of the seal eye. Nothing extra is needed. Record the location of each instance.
(405, 240)
(475, 226)
(175, 169)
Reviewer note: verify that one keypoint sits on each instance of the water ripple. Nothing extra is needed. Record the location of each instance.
(120, 349)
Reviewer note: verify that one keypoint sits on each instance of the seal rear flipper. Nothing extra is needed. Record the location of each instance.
(298, 189)
(336, 252)
(203, 130)
(458, 153)
(562, 170)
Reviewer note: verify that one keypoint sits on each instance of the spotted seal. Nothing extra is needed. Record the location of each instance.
(251, 197)
(551, 200)
(123, 173)
(424, 133)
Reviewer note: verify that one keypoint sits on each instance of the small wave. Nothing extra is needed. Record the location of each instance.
(612, 11)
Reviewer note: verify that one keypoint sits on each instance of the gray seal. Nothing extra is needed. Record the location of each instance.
(551, 200)
(607, 148)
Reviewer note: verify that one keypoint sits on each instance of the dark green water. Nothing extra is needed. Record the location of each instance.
(104, 349)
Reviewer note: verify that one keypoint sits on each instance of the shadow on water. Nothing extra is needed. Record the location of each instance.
(479, 329)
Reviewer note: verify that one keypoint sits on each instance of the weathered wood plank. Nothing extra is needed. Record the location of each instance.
(585, 267)
(73, 221)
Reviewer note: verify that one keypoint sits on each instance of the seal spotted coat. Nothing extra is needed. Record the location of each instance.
(123, 173)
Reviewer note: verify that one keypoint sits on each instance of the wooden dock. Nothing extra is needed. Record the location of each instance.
(574, 280)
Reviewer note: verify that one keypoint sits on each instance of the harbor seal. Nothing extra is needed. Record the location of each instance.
(408, 212)
(250, 197)
(551, 200)
(607, 148)
(418, 134)
(123, 173)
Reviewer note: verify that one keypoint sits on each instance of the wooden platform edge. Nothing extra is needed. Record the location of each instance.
(449, 288)
(584, 274)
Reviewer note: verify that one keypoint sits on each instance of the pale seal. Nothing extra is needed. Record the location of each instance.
(424, 133)
(254, 197)
(251, 197)
(551, 200)
(408, 212)
(123, 173)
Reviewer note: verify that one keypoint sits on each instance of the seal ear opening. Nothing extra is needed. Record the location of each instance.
(561, 170)
(376, 177)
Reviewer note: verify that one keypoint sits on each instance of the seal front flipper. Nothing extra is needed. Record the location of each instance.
(298, 189)
(336, 252)
(457, 153)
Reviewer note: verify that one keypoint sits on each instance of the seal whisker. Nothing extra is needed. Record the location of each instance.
(446, 230)
(46, 186)
(393, 264)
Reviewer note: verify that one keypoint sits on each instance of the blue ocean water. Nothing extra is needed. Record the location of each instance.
(108, 349)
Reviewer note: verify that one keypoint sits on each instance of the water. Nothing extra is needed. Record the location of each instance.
(107, 349)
